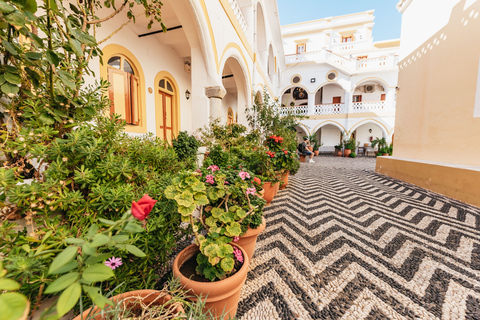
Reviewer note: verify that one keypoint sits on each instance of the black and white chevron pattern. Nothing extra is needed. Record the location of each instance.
(346, 243)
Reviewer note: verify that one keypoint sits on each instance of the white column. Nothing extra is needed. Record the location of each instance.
(216, 94)
(349, 101)
(311, 104)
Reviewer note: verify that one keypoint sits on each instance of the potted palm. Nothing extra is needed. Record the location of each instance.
(215, 266)
(350, 146)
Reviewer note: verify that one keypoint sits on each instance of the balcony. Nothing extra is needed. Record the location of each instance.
(351, 46)
(341, 61)
(239, 15)
(340, 108)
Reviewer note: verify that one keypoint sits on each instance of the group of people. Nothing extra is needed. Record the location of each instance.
(304, 148)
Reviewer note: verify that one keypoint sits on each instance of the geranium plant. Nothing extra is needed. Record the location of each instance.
(227, 204)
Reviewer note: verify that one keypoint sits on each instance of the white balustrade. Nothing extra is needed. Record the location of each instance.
(337, 108)
(371, 106)
(239, 15)
(351, 46)
(296, 110)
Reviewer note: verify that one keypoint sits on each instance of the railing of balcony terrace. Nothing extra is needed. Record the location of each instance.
(339, 60)
(376, 63)
(330, 108)
(351, 46)
(304, 57)
(296, 110)
(239, 15)
(371, 106)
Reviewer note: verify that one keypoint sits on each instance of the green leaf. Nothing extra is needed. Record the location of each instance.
(33, 55)
(88, 249)
(224, 250)
(211, 221)
(227, 264)
(198, 186)
(217, 212)
(93, 230)
(120, 238)
(16, 18)
(84, 37)
(97, 298)
(9, 284)
(31, 6)
(46, 119)
(36, 40)
(135, 251)
(63, 258)
(105, 221)
(68, 299)
(10, 47)
(76, 47)
(13, 78)
(52, 58)
(184, 199)
(96, 258)
(9, 88)
(2, 79)
(53, 5)
(74, 241)
(186, 211)
(100, 240)
(201, 199)
(6, 8)
(233, 230)
(67, 79)
(97, 272)
(14, 306)
(133, 227)
(66, 268)
(62, 282)
(211, 250)
(170, 192)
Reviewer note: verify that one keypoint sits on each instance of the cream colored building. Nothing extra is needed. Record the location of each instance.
(437, 125)
(213, 56)
(340, 78)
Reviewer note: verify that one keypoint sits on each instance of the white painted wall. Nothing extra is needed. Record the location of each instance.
(331, 91)
(330, 137)
(363, 136)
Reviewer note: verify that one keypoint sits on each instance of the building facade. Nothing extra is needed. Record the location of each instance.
(340, 78)
(437, 125)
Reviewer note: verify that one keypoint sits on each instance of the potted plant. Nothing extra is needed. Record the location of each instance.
(384, 151)
(338, 149)
(214, 266)
(314, 144)
(350, 145)
(381, 142)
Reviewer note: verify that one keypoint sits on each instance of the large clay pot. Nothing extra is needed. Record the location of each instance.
(316, 153)
(285, 180)
(249, 239)
(220, 295)
(310, 148)
(276, 187)
(302, 158)
(347, 152)
(131, 300)
(339, 153)
(269, 192)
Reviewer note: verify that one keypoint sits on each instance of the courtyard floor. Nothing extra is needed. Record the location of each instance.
(343, 242)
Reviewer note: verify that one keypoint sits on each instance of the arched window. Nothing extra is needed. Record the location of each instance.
(230, 116)
(124, 89)
(165, 114)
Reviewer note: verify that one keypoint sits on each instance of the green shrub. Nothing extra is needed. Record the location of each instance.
(353, 155)
(185, 145)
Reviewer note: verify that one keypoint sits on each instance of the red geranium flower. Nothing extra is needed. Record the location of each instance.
(257, 180)
(142, 208)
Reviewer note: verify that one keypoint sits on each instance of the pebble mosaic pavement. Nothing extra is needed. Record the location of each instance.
(343, 242)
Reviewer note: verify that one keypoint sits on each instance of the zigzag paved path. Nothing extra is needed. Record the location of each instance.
(343, 242)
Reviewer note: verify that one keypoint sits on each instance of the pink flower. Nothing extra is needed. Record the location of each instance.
(213, 168)
(244, 175)
(113, 262)
(210, 179)
(226, 182)
(235, 239)
(142, 208)
(238, 254)
(251, 190)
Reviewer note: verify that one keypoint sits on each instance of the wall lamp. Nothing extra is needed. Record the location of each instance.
(187, 94)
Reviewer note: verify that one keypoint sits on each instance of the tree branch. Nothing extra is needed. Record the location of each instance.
(110, 16)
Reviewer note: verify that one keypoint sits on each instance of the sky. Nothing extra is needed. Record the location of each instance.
(387, 18)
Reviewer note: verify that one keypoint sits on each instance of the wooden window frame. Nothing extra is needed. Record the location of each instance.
(359, 96)
(304, 47)
(347, 37)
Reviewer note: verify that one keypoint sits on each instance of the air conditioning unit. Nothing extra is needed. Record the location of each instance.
(369, 88)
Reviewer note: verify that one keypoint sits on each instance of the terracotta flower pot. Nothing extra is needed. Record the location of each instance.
(249, 239)
(262, 192)
(132, 299)
(285, 180)
(339, 153)
(302, 158)
(385, 154)
(221, 295)
(316, 153)
(276, 187)
(310, 148)
(347, 152)
(269, 192)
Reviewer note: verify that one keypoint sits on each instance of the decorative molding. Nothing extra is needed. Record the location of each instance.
(402, 5)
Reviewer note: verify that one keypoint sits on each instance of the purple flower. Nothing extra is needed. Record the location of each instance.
(210, 179)
(251, 190)
(213, 168)
(238, 254)
(113, 262)
(244, 175)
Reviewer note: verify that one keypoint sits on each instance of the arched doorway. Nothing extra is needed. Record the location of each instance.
(234, 82)
(166, 107)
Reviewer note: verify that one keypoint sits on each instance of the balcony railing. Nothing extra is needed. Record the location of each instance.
(339, 60)
(296, 110)
(239, 15)
(351, 46)
(372, 106)
(330, 108)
